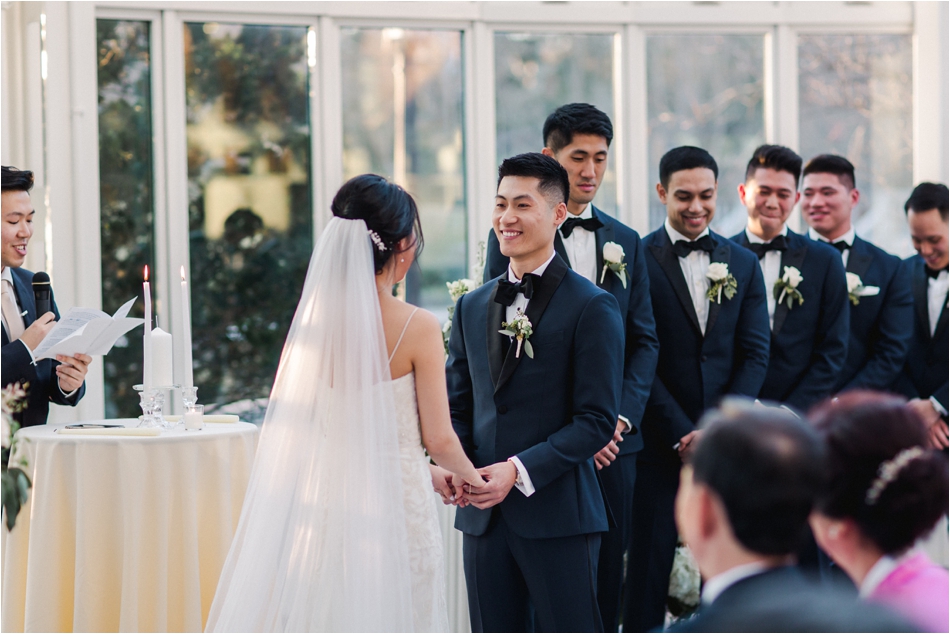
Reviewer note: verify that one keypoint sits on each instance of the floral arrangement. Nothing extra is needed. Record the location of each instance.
(613, 260)
(857, 289)
(16, 484)
(723, 282)
(459, 288)
(521, 329)
(684, 593)
(786, 287)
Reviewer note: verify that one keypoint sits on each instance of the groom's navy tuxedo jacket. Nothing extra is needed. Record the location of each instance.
(641, 345)
(810, 340)
(695, 371)
(553, 412)
(882, 324)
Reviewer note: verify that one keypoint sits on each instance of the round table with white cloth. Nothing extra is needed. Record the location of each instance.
(123, 533)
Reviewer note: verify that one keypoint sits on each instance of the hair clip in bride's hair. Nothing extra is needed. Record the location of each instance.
(376, 240)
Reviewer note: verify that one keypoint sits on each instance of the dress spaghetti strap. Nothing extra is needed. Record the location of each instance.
(403, 334)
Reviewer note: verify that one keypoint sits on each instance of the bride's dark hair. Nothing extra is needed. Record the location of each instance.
(389, 212)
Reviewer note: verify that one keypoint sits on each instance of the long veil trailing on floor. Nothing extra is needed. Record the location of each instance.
(321, 543)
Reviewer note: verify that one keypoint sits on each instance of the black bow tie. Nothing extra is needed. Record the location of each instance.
(591, 224)
(841, 245)
(507, 291)
(934, 273)
(682, 248)
(780, 243)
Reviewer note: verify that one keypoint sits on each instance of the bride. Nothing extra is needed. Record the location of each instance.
(339, 530)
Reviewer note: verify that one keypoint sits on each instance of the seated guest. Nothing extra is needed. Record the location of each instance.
(742, 508)
(46, 381)
(924, 377)
(885, 490)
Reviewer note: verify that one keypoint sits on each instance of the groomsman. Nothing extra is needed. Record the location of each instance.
(804, 284)
(578, 135)
(878, 286)
(712, 323)
(531, 411)
(924, 377)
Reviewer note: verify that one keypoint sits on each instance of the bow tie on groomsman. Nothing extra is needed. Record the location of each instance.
(682, 248)
(590, 224)
(934, 273)
(779, 243)
(841, 245)
(508, 291)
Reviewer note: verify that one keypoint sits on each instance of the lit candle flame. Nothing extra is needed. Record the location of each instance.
(146, 272)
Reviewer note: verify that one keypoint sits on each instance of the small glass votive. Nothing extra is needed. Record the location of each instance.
(193, 417)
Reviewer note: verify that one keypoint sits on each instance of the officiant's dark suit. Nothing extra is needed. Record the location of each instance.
(694, 372)
(18, 364)
(553, 412)
(809, 341)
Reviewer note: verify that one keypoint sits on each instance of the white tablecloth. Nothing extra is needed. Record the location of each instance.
(124, 533)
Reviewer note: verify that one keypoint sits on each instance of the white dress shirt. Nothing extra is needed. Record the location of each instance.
(525, 486)
(694, 266)
(771, 264)
(847, 238)
(936, 298)
(718, 584)
(581, 247)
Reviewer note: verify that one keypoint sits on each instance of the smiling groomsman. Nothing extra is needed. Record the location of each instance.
(924, 377)
(609, 254)
(712, 323)
(878, 286)
(804, 282)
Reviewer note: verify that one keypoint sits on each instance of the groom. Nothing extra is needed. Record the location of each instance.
(532, 418)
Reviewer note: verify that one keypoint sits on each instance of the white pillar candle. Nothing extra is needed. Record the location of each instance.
(161, 358)
(147, 336)
(189, 380)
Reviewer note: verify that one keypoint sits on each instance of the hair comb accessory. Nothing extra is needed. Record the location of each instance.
(888, 472)
(376, 240)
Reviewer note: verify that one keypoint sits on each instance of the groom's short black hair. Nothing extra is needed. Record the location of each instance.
(766, 467)
(554, 184)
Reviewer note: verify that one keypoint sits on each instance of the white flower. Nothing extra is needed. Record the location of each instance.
(460, 287)
(857, 289)
(685, 578)
(718, 271)
(792, 277)
(854, 281)
(613, 253)
(6, 431)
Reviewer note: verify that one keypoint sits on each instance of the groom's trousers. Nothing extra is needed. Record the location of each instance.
(505, 573)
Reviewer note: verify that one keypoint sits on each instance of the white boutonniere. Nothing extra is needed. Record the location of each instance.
(613, 260)
(723, 282)
(786, 287)
(520, 328)
(857, 289)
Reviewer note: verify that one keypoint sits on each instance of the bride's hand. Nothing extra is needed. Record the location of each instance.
(476, 480)
(442, 483)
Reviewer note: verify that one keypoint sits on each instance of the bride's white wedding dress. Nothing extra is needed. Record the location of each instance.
(338, 530)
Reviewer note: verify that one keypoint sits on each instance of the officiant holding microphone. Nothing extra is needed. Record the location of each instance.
(46, 381)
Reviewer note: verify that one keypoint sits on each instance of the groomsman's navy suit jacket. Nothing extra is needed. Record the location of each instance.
(18, 365)
(810, 340)
(695, 371)
(926, 369)
(641, 345)
(553, 412)
(882, 324)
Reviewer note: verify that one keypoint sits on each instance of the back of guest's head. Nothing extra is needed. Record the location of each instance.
(776, 157)
(764, 464)
(831, 164)
(880, 473)
(575, 118)
(925, 197)
(553, 182)
(685, 157)
(387, 210)
(15, 179)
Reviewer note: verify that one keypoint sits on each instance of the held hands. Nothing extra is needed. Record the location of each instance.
(500, 478)
(608, 454)
(72, 371)
(936, 426)
(687, 443)
(38, 330)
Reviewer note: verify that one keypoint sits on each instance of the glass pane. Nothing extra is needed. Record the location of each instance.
(125, 193)
(250, 212)
(707, 91)
(402, 119)
(535, 73)
(855, 99)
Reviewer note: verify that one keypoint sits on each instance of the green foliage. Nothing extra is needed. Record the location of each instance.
(15, 483)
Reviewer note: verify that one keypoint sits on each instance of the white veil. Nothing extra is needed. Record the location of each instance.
(321, 544)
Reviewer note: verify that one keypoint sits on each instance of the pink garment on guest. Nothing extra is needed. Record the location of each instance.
(919, 590)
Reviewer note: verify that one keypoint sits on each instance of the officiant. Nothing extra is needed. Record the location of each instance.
(47, 381)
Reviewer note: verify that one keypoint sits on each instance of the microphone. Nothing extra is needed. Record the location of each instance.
(42, 293)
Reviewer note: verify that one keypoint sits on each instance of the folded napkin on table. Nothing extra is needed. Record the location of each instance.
(112, 431)
(208, 418)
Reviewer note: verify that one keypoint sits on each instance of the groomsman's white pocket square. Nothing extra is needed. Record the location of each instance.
(857, 289)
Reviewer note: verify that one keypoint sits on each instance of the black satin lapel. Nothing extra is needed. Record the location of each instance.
(941, 322)
(671, 266)
(721, 254)
(919, 285)
(550, 281)
(601, 237)
(791, 257)
(559, 248)
(858, 259)
(494, 339)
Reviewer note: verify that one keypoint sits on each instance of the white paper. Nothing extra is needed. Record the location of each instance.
(86, 331)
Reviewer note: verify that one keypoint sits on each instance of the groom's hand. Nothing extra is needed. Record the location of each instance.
(501, 477)
(608, 454)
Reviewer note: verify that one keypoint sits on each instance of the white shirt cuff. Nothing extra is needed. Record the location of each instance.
(626, 422)
(525, 485)
(938, 407)
(70, 395)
